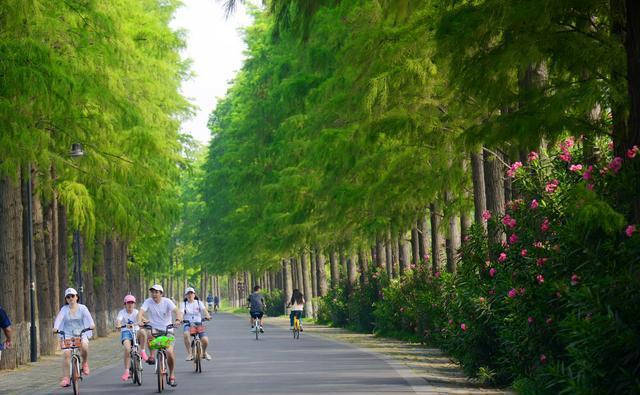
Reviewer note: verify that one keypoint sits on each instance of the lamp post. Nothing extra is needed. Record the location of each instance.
(77, 152)
(32, 284)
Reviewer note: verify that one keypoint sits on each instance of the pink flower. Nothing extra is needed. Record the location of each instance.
(538, 244)
(508, 221)
(463, 327)
(543, 358)
(616, 164)
(486, 215)
(631, 153)
(587, 175)
(513, 238)
(523, 253)
(630, 229)
(412, 266)
(512, 293)
(532, 156)
(544, 226)
(569, 141)
(565, 156)
(575, 168)
(437, 274)
(610, 146)
(541, 261)
(549, 321)
(522, 290)
(450, 322)
(492, 272)
(552, 186)
(425, 258)
(513, 169)
(502, 257)
(575, 279)
(534, 204)
(540, 278)
(590, 187)
(530, 320)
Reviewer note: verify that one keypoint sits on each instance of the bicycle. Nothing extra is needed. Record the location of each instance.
(135, 360)
(195, 330)
(73, 344)
(296, 327)
(160, 343)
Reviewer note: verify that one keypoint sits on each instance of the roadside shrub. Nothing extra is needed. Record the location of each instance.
(275, 302)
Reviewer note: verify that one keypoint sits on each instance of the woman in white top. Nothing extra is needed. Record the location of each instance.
(129, 317)
(73, 318)
(193, 310)
(297, 306)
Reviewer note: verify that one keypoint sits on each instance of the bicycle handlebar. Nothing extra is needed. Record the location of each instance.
(80, 334)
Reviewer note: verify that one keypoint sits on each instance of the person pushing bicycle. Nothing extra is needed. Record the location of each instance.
(159, 312)
(129, 316)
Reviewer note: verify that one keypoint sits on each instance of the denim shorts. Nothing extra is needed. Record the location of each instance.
(126, 335)
(185, 328)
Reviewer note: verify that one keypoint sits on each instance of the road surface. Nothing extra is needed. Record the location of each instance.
(276, 364)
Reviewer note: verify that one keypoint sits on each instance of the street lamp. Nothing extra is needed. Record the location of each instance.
(77, 152)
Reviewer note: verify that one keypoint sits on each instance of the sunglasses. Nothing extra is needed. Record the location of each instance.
(70, 296)
(130, 302)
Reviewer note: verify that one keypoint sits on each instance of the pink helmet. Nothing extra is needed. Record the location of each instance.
(129, 298)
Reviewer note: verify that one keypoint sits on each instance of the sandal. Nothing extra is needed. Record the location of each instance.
(85, 368)
(65, 382)
(172, 381)
(125, 376)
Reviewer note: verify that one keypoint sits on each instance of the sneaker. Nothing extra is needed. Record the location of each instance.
(65, 382)
(172, 381)
(85, 368)
(261, 330)
(290, 328)
(207, 356)
(125, 376)
(144, 355)
(301, 330)
(189, 358)
(151, 361)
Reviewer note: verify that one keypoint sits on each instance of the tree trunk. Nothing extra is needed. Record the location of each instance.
(287, 280)
(306, 280)
(63, 246)
(362, 266)
(335, 269)
(322, 273)
(436, 238)
(352, 275)
(415, 248)
(423, 237)
(51, 234)
(101, 310)
(453, 239)
(381, 258)
(494, 184)
(479, 191)
(300, 275)
(388, 254)
(402, 255)
(314, 273)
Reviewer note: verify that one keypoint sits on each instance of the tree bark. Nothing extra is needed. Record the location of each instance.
(436, 238)
(63, 246)
(287, 281)
(423, 237)
(453, 238)
(380, 257)
(415, 248)
(479, 191)
(300, 275)
(352, 275)
(388, 254)
(402, 255)
(335, 269)
(101, 311)
(362, 266)
(322, 273)
(313, 273)
(494, 183)
(306, 279)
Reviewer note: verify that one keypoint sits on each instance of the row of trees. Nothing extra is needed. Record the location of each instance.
(105, 75)
(358, 129)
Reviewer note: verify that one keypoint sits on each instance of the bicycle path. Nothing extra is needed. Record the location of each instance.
(276, 364)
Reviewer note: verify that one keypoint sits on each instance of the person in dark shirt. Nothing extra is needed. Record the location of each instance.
(5, 324)
(256, 308)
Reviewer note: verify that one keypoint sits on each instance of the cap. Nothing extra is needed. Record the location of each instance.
(129, 298)
(189, 289)
(70, 291)
(157, 287)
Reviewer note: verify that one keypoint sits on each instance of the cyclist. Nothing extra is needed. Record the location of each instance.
(297, 305)
(256, 308)
(194, 310)
(159, 309)
(216, 303)
(74, 317)
(5, 324)
(129, 316)
(210, 306)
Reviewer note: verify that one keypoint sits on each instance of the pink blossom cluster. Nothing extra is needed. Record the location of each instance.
(534, 204)
(541, 261)
(514, 167)
(540, 278)
(632, 152)
(486, 215)
(575, 279)
(565, 155)
(544, 226)
(513, 239)
(533, 156)
(630, 230)
(575, 168)
(502, 257)
(492, 272)
(616, 164)
(552, 186)
(588, 174)
(508, 221)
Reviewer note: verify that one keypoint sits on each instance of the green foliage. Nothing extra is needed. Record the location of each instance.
(275, 302)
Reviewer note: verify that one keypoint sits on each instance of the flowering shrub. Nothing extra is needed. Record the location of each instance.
(552, 308)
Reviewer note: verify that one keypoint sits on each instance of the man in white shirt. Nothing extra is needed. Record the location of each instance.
(158, 309)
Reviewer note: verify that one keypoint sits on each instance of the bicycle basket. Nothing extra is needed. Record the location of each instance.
(161, 342)
(196, 329)
(72, 342)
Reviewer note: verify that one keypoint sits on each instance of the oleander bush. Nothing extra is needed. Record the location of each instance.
(553, 307)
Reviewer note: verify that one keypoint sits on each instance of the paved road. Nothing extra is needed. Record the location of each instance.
(276, 364)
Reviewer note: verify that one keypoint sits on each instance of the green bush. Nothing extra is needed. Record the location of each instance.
(553, 308)
(275, 302)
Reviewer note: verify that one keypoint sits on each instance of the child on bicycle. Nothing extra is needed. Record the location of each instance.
(256, 308)
(128, 316)
(73, 318)
(194, 310)
(297, 306)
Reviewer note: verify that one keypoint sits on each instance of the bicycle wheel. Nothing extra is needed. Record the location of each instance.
(160, 370)
(75, 374)
(137, 369)
(198, 357)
